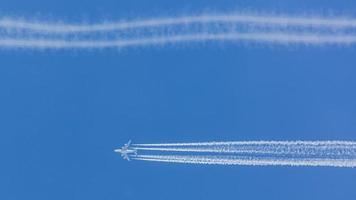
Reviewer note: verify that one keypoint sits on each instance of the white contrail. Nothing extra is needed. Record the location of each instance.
(254, 161)
(293, 150)
(261, 142)
(277, 153)
(258, 148)
(338, 23)
(273, 38)
(203, 150)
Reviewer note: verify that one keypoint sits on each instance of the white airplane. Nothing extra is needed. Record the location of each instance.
(126, 150)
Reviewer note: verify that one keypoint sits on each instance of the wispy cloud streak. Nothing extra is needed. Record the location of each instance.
(282, 153)
(252, 161)
(258, 19)
(272, 38)
(202, 150)
(232, 28)
(256, 142)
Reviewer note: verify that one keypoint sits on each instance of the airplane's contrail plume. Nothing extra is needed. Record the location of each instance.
(273, 38)
(291, 153)
(57, 28)
(201, 150)
(253, 161)
(293, 150)
(256, 142)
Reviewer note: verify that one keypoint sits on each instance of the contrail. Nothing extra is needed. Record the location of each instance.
(253, 161)
(57, 28)
(282, 153)
(272, 38)
(293, 150)
(202, 150)
(261, 142)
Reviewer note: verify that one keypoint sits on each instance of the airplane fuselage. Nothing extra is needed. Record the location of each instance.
(126, 151)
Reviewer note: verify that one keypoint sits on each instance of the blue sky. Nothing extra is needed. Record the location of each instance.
(63, 112)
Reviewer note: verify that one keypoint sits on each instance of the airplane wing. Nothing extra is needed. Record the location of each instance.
(126, 157)
(128, 144)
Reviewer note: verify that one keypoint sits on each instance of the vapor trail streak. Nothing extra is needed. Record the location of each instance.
(274, 38)
(254, 161)
(279, 153)
(259, 150)
(271, 142)
(202, 150)
(339, 23)
(335, 149)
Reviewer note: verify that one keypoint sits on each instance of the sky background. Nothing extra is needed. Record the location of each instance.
(62, 112)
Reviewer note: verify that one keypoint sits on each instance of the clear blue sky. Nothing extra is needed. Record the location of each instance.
(63, 112)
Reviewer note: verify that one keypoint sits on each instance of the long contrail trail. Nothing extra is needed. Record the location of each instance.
(293, 150)
(272, 38)
(252, 161)
(57, 28)
(291, 153)
(256, 142)
(201, 150)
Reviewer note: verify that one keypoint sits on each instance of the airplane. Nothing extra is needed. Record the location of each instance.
(126, 151)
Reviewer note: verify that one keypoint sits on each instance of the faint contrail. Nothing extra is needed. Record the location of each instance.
(258, 19)
(273, 38)
(253, 161)
(202, 150)
(263, 149)
(257, 142)
(291, 153)
(293, 148)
